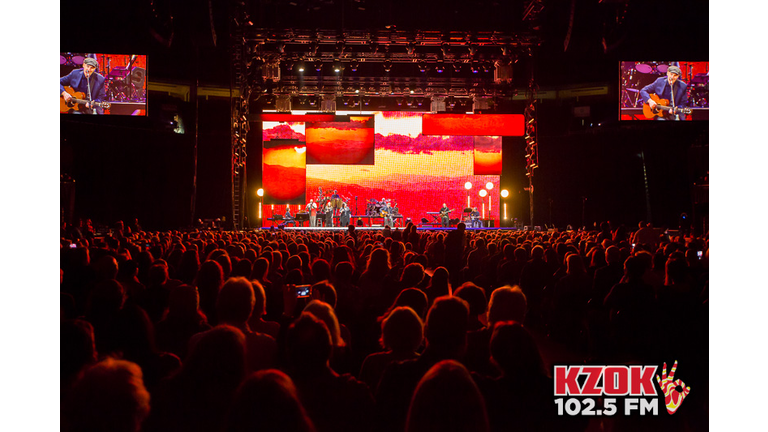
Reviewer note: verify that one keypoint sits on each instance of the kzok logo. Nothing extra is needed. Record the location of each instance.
(672, 398)
(582, 383)
(617, 381)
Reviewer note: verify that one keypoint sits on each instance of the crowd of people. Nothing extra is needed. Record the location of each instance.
(400, 330)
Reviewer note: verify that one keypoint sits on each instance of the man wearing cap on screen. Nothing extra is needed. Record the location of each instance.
(87, 81)
(670, 88)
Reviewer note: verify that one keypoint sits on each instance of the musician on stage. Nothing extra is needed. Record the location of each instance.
(386, 212)
(670, 88)
(475, 216)
(312, 210)
(344, 215)
(288, 217)
(87, 81)
(444, 215)
(328, 214)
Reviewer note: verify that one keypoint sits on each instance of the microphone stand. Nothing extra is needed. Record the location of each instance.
(90, 100)
(674, 107)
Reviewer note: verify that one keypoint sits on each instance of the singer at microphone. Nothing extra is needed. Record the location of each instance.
(87, 81)
(670, 88)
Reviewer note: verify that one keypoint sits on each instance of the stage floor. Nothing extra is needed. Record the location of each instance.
(380, 228)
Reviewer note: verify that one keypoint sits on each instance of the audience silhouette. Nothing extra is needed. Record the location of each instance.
(449, 331)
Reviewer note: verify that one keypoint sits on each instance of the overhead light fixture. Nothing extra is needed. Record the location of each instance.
(483, 193)
(422, 66)
(456, 67)
(354, 65)
(300, 67)
(468, 185)
(489, 185)
(504, 193)
(440, 67)
(337, 66)
(319, 66)
(260, 192)
(387, 66)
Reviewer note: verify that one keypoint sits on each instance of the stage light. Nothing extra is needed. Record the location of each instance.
(337, 66)
(489, 185)
(483, 193)
(260, 192)
(456, 67)
(440, 66)
(504, 193)
(422, 66)
(300, 67)
(467, 185)
(387, 66)
(354, 65)
(319, 66)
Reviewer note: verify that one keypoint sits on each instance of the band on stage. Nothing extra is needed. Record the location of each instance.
(330, 209)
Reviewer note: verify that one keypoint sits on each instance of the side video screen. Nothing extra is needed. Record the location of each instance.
(103, 84)
(664, 90)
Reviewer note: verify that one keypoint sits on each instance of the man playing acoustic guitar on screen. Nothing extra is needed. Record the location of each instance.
(666, 98)
(83, 90)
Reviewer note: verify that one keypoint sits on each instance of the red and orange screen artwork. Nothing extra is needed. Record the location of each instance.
(348, 143)
(417, 172)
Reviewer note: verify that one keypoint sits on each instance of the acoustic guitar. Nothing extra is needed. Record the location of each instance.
(661, 109)
(78, 99)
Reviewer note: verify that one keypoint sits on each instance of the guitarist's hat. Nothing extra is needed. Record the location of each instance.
(675, 70)
(91, 61)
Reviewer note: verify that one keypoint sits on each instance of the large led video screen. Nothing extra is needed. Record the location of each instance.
(416, 173)
(284, 171)
(487, 154)
(664, 90)
(348, 142)
(102, 84)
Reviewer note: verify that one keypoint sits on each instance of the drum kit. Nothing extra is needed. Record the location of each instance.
(636, 75)
(123, 83)
(323, 198)
(385, 207)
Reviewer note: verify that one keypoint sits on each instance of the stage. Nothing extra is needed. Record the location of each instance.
(380, 228)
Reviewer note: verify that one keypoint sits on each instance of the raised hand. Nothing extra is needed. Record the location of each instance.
(672, 398)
